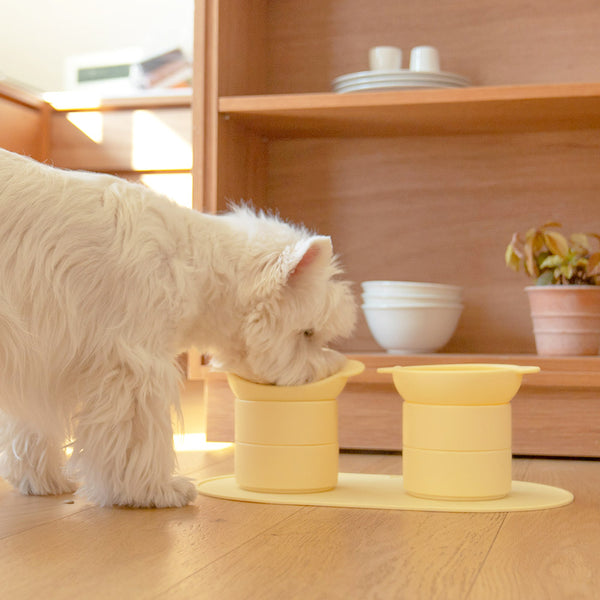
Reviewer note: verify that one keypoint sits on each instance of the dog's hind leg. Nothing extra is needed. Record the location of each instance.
(123, 448)
(31, 460)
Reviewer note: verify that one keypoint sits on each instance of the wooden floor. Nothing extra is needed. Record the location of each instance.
(63, 547)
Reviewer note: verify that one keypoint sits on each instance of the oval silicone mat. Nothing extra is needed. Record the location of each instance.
(360, 490)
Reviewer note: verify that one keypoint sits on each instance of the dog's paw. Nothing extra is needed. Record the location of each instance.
(177, 492)
(30, 481)
(44, 486)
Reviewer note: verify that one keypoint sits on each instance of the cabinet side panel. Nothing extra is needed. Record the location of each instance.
(22, 129)
(242, 70)
(230, 59)
(204, 102)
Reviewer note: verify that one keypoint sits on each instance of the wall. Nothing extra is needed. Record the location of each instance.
(38, 35)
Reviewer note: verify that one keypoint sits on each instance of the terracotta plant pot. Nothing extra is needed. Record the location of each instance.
(566, 319)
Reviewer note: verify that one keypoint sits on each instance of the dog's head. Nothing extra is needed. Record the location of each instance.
(293, 304)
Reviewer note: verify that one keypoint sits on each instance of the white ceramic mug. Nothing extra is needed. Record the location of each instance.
(425, 59)
(385, 58)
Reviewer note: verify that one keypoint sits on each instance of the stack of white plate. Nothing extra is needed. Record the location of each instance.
(364, 81)
(407, 317)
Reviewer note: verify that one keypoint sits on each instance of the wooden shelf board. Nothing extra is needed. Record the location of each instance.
(564, 371)
(551, 414)
(17, 93)
(567, 371)
(86, 101)
(497, 109)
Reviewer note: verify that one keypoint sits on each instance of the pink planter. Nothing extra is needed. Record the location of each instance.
(566, 319)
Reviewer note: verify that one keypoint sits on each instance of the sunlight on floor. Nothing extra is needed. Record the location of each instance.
(196, 442)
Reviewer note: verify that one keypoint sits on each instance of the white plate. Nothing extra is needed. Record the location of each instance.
(392, 86)
(399, 75)
(364, 81)
(401, 80)
(430, 78)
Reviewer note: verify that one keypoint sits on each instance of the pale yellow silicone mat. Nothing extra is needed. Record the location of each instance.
(359, 490)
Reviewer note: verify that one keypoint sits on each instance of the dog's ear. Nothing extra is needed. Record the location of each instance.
(296, 266)
(310, 257)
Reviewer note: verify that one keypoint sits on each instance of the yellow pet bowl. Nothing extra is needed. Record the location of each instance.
(453, 476)
(456, 429)
(478, 384)
(286, 437)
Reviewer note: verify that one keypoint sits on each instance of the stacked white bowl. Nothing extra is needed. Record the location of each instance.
(408, 317)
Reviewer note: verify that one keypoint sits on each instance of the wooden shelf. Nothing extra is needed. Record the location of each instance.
(85, 101)
(77, 100)
(370, 170)
(419, 112)
(564, 371)
(16, 93)
(551, 413)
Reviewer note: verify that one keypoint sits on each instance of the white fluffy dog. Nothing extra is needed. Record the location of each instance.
(102, 284)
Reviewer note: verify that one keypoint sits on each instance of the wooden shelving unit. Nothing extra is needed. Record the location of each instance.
(424, 185)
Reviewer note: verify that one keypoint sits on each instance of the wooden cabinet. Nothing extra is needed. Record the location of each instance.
(145, 138)
(423, 185)
(23, 121)
(128, 136)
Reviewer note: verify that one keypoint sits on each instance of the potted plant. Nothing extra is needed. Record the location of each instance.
(565, 300)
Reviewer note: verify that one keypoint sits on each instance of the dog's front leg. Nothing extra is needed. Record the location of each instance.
(123, 450)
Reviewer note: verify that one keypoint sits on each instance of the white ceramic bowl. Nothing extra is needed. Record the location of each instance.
(411, 289)
(378, 299)
(384, 302)
(413, 328)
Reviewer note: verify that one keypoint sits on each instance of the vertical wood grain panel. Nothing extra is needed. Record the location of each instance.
(492, 43)
(441, 209)
(22, 129)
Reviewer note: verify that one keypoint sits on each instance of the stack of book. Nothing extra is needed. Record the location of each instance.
(167, 70)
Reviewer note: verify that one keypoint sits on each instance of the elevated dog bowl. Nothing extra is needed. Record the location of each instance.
(456, 427)
(457, 442)
(286, 437)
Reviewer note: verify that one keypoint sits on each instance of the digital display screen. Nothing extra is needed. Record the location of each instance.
(87, 74)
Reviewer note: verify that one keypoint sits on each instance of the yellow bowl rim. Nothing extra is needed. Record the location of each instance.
(461, 368)
(316, 390)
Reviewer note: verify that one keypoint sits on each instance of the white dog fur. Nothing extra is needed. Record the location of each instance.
(102, 284)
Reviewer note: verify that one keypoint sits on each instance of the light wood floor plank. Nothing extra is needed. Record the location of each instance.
(105, 553)
(223, 550)
(20, 513)
(345, 553)
(352, 553)
(552, 554)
